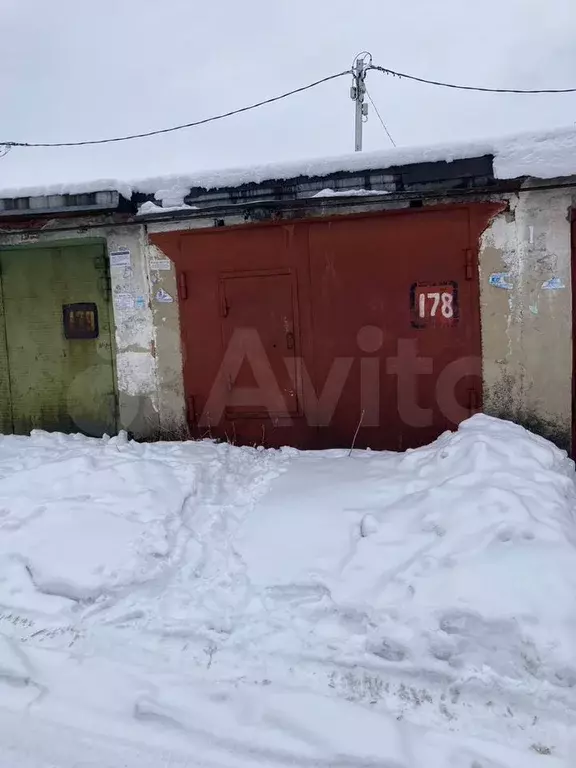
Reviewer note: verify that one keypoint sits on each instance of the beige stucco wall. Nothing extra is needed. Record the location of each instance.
(168, 347)
(527, 328)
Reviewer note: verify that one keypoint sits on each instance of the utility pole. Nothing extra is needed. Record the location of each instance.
(357, 93)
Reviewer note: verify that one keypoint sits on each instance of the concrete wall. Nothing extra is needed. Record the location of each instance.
(527, 320)
(135, 337)
(168, 349)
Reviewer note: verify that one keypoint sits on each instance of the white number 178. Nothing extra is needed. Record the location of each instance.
(443, 300)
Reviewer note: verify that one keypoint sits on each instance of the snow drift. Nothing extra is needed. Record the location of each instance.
(543, 155)
(250, 606)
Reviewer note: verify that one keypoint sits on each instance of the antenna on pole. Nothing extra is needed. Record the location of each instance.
(362, 62)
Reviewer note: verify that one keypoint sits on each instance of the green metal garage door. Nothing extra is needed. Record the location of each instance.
(56, 358)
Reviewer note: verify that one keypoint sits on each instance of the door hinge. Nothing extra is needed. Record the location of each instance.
(469, 264)
(190, 409)
(473, 401)
(182, 286)
(105, 285)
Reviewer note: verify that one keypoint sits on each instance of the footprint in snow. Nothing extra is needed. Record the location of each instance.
(368, 525)
(389, 650)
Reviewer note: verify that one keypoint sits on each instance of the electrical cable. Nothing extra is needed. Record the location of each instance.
(177, 127)
(470, 87)
(6, 145)
(380, 117)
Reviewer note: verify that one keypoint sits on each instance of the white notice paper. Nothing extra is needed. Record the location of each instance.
(163, 264)
(164, 297)
(120, 258)
(124, 301)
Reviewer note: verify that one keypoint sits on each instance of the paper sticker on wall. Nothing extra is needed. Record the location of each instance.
(161, 264)
(554, 284)
(123, 301)
(163, 297)
(501, 280)
(120, 258)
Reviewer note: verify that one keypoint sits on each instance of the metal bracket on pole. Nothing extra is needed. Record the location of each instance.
(357, 93)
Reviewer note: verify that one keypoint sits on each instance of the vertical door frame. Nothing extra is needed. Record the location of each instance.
(9, 424)
(573, 290)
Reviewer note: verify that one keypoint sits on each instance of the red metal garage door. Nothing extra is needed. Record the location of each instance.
(304, 333)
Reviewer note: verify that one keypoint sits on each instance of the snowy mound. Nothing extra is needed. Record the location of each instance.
(459, 557)
(247, 600)
(86, 521)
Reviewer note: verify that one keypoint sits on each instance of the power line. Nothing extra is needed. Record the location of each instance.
(380, 117)
(367, 65)
(177, 127)
(471, 87)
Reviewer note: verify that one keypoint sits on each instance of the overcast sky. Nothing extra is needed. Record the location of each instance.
(72, 70)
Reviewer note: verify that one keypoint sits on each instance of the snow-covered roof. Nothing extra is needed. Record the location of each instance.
(544, 155)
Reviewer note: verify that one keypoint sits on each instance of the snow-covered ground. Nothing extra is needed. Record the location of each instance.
(196, 604)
